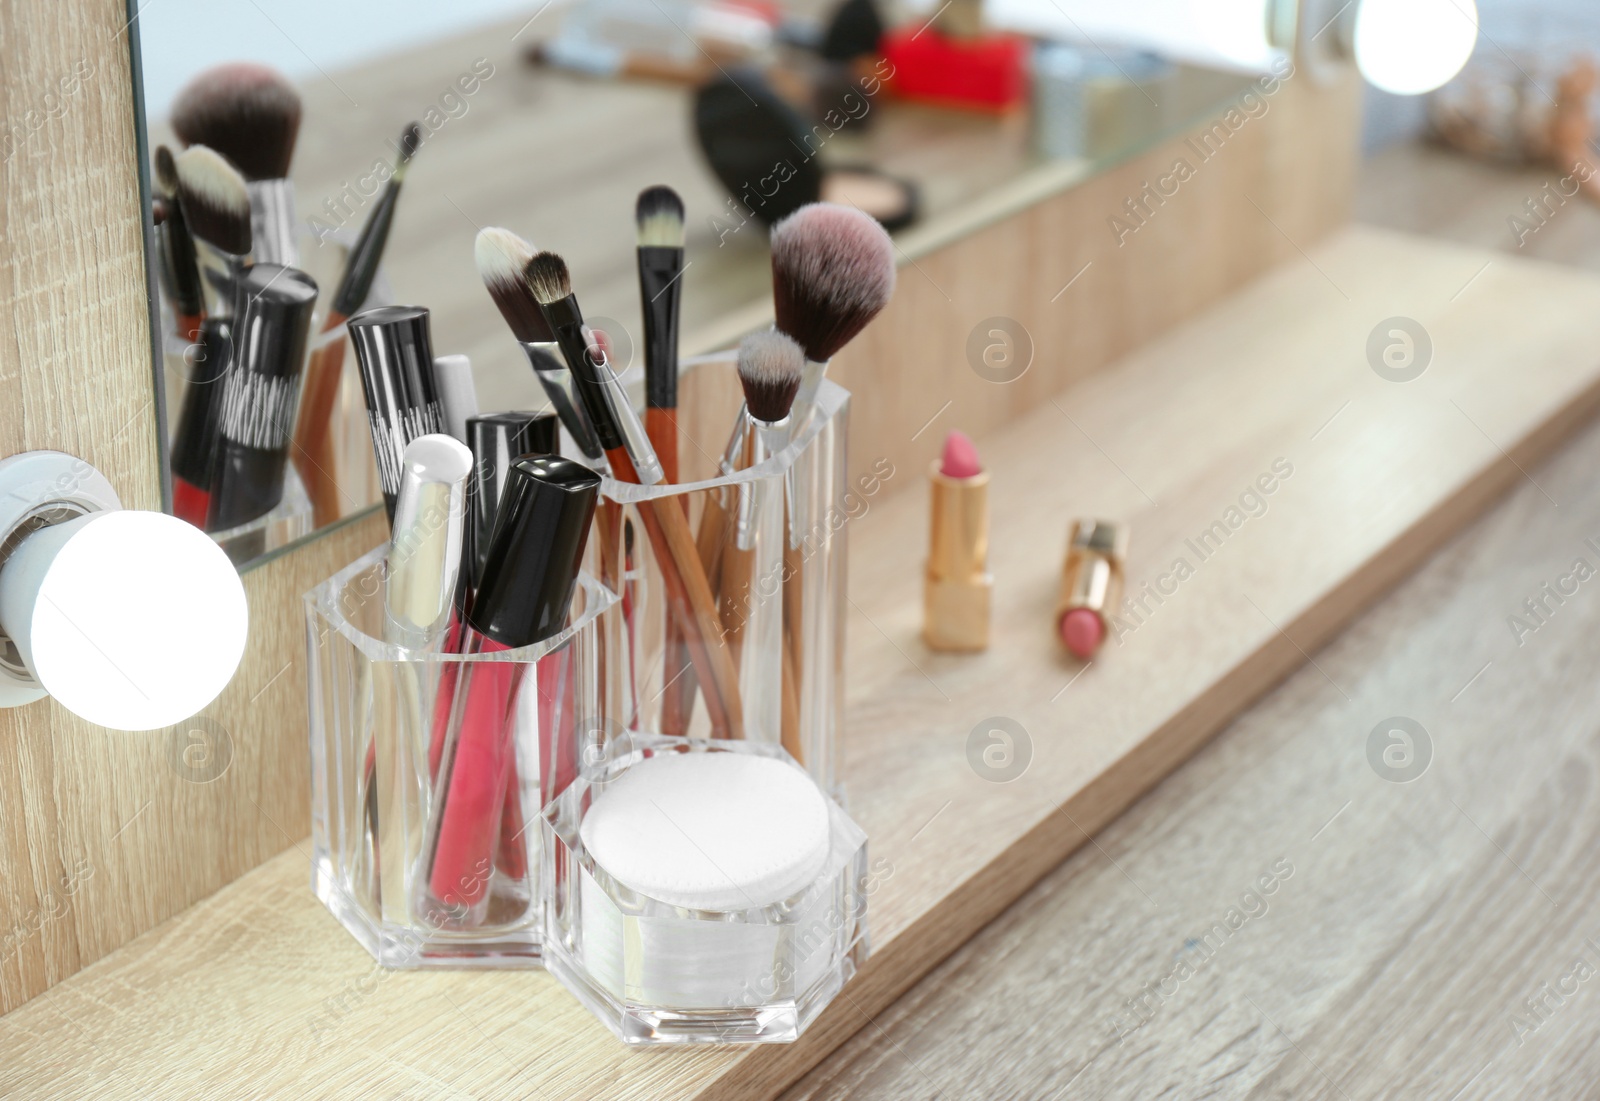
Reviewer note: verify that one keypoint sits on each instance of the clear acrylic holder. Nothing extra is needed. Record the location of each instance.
(702, 892)
(780, 591)
(382, 719)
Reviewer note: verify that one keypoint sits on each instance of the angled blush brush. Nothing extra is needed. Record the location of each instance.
(632, 460)
(313, 437)
(501, 257)
(250, 114)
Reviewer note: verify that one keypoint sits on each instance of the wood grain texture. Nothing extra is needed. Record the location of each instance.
(1378, 475)
(75, 376)
(1419, 920)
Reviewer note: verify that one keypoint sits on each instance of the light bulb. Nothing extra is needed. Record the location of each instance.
(1408, 47)
(132, 620)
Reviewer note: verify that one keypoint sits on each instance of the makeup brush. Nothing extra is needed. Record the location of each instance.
(501, 257)
(632, 459)
(658, 215)
(183, 270)
(250, 114)
(313, 437)
(769, 366)
(216, 208)
(832, 273)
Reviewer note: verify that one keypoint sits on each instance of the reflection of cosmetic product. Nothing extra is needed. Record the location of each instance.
(216, 208)
(313, 435)
(194, 439)
(496, 441)
(658, 216)
(1091, 585)
(632, 459)
(395, 353)
(458, 395)
(501, 257)
(250, 114)
(957, 584)
(527, 586)
(259, 394)
(182, 270)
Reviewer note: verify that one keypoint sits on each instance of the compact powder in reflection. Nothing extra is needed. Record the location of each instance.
(883, 197)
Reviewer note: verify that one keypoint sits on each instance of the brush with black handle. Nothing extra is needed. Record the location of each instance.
(502, 258)
(216, 210)
(632, 459)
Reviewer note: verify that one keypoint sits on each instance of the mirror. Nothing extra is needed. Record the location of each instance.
(549, 119)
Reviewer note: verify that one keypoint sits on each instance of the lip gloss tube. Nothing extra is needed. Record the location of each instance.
(394, 349)
(529, 576)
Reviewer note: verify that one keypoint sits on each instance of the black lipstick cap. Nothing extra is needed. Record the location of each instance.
(270, 330)
(535, 550)
(194, 441)
(394, 350)
(497, 440)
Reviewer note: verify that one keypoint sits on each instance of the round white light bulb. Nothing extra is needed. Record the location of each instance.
(132, 620)
(1408, 47)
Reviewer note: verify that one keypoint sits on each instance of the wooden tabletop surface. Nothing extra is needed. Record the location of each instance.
(1285, 916)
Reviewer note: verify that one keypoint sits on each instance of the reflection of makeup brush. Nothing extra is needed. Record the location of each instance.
(632, 460)
(216, 209)
(250, 114)
(183, 270)
(313, 437)
(659, 218)
(501, 257)
(832, 273)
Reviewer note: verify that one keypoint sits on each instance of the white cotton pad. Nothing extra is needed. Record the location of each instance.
(710, 831)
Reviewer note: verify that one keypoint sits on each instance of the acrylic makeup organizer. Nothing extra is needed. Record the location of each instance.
(779, 568)
(379, 715)
(703, 884)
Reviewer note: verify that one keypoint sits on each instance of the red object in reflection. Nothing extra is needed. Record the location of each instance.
(190, 503)
(988, 73)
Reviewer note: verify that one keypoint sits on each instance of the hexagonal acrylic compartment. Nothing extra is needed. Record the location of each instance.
(702, 892)
(384, 724)
(771, 539)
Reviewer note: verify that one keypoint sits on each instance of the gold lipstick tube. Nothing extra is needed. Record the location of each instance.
(957, 584)
(1092, 577)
